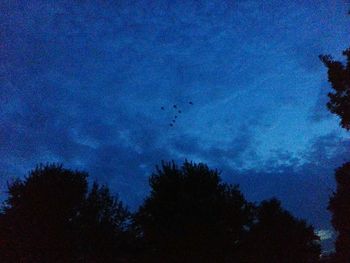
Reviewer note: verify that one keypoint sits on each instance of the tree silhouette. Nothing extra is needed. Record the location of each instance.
(339, 205)
(36, 220)
(190, 216)
(278, 237)
(102, 227)
(50, 217)
(339, 77)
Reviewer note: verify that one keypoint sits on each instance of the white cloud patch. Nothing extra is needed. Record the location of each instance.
(324, 234)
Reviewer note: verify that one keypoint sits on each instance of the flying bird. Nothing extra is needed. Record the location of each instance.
(177, 112)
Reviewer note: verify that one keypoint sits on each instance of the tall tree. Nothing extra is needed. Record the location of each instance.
(190, 216)
(50, 216)
(339, 77)
(278, 237)
(102, 228)
(339, 205)
(339, 103)
(36, 221)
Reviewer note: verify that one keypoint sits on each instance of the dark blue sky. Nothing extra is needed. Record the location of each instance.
(82, 83)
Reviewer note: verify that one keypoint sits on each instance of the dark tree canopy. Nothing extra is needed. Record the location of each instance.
(339, 205)
(190, 216)
(36, 221)
(50, 216)
(101, 226)
(339, 77)
(278, 237)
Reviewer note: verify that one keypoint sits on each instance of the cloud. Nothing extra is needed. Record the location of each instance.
(324, 234)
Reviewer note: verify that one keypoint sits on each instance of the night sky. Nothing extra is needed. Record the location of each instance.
(83, 83)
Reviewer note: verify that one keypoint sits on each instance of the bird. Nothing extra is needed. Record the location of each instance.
(177, 111)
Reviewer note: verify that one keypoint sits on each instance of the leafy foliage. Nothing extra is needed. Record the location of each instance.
(339, 77)
(102, 227)
(279, 237)
(36, 224)
(191, 216)
(51, 217)
(340, 207)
